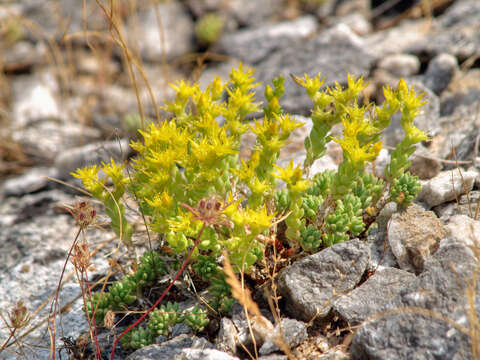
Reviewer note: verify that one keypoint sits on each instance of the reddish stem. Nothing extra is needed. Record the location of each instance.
(54, 326)
(97, 346)
(180, 271)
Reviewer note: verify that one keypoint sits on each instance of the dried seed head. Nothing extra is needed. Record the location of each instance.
(209, 211)
(81, 257)
(109, 320)
(83, 213)
(19, 316)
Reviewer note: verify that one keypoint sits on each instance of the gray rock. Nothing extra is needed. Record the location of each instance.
(400, 65)
(476, 169)
(466, 97)
(227, 336)
(414, 235)
(239, 335)
(310, 284)
(466, 205)
(202, 354)
(108, 123)
(34, 242)
(458, 136)
(171, 348)
(464, 13)
(465, 142)
(251, 13)
(441, 69)
(273, 357)
(294, 333)
(22, 55)
(33, 180)
(357, 22)
(397, 39)
(115, 99)
(456, 32)
(334, 354)
(26, 233)
(177, 27)
(464, 91)
(47, 139)
(221, 70)
(202, 7)
(254, 45)
(90, 64)
(57, 19)
(373, 296)
(342, 53)
(380, 253)
(415, 330)
(180, 329)
(8, 10)
(424, 164)
(92, 154)
(326, 162)
(239, 13)
(464, 229)
(446, 186)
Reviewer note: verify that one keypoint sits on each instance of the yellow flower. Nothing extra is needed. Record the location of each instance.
(90, 180)
(209, 151)
(357, 154)
(259, 187)
(415, 135)
(232, 207)
(287, 124)
(161, 201)
(289, 175)
(355, 123)
(164, 159)
(183, 223)
(247, 171)
(258, 221)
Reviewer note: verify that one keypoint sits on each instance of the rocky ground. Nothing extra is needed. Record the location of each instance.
(66, 100)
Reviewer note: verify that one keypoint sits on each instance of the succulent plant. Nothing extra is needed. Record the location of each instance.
(196, 318)
(206, 267)
(162, 320)
(209, 28)
(203, 199)
(311, 238)
(137, 338)
(122, 293)
(405, 189)
(101, 304)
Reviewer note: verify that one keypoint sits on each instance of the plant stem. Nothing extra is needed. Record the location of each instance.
(179, 272)
(58, 293)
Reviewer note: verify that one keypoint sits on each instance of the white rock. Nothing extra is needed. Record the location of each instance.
(414, 235)
(400, 65)
(204, 354)
(464, 229)
(177, 29)
(446, 186)
(34, 99)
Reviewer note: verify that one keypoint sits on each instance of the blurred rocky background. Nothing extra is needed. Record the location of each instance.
(76, 86)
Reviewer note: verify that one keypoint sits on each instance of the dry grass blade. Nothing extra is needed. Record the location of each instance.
(465, 188)
(238, 291)
(262, 325)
